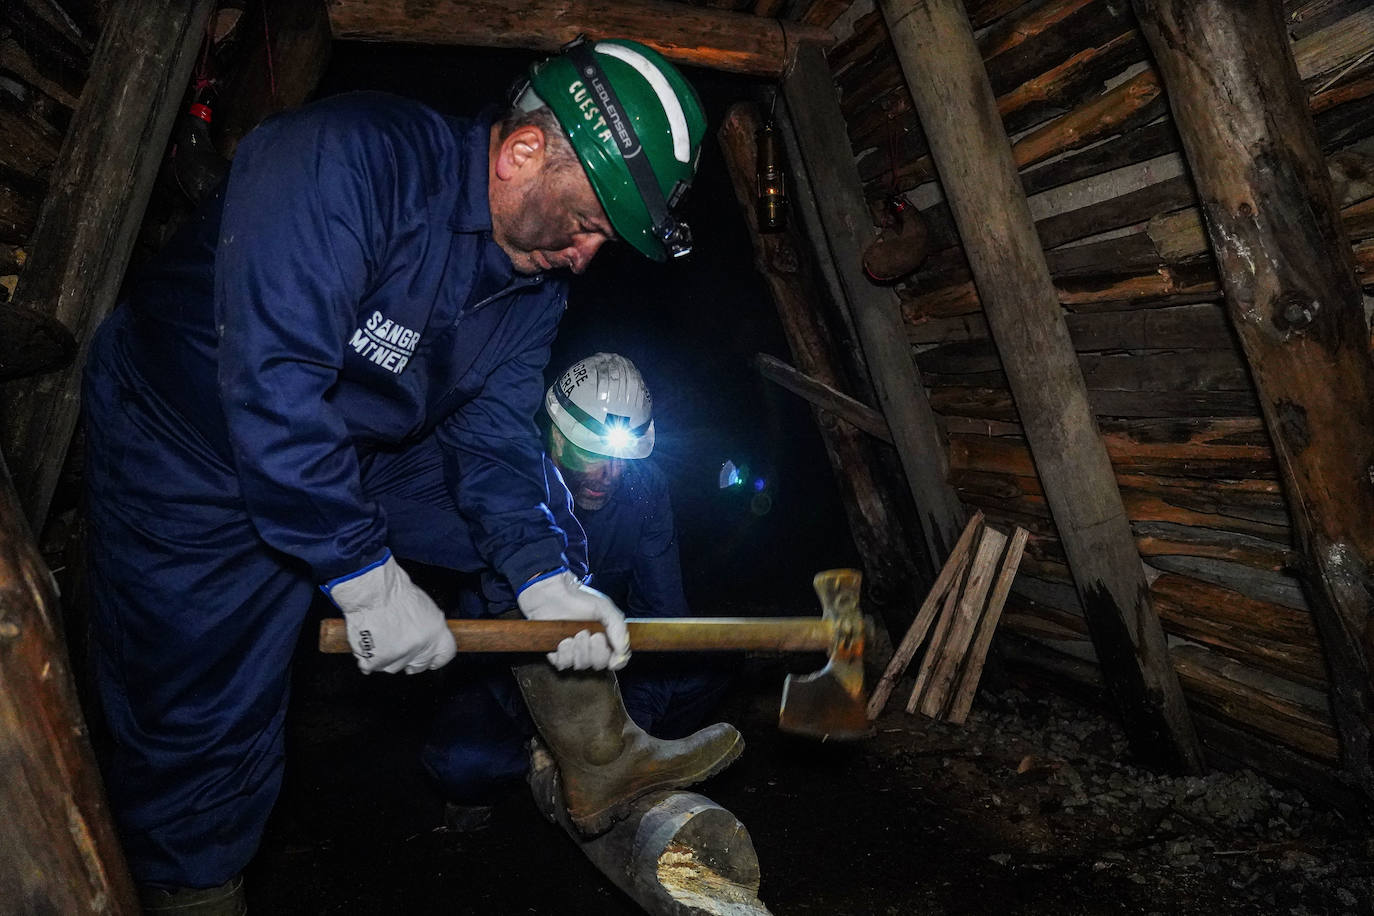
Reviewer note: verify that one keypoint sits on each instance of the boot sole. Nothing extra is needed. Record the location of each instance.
(598, 822)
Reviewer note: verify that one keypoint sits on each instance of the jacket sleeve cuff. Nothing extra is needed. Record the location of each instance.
(365, 568)
(533, 560)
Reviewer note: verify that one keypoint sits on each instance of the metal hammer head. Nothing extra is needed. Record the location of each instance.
(830, 704)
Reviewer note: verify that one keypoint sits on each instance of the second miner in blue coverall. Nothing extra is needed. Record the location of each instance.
(337, 362)
(477, 746)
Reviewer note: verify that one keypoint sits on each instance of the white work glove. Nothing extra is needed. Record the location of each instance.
(561, 596)
(392, 624)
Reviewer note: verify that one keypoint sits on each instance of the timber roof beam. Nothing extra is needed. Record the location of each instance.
(691, 35)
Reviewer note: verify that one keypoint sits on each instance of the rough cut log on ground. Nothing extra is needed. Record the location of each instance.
(945, 74)
(825, 157)
(60, 850)
(702, 37)
(1291, 291)
(892, 572)
(675, 854)
(99, 189)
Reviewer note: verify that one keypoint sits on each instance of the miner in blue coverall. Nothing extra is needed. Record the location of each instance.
(334, 365)
(599, 438)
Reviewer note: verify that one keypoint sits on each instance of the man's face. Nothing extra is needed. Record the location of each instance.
(592, 479)
(546, 217)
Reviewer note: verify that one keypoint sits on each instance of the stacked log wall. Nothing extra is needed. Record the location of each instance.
(45, 53)
(1117, 214)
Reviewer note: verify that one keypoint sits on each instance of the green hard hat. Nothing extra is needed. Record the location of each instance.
(636, 125)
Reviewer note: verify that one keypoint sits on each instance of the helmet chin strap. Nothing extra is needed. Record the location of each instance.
(675, 235)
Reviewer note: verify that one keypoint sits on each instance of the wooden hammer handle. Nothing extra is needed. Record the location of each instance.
(648, 634)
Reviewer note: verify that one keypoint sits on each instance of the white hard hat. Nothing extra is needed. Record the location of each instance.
(602, 405)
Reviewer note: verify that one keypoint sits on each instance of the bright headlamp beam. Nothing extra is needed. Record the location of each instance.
(619, 438)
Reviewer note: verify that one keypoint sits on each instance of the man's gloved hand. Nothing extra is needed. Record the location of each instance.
(560, 595)
(392, 624)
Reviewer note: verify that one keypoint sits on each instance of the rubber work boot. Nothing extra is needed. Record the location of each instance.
(226, 900)
(604, 760)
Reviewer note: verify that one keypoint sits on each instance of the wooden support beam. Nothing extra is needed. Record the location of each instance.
(950, 87)
(1290, 288)
(698, 36)
(823, 396)
(820, 138)
(60, 850)
(86, 228)
(891, 560)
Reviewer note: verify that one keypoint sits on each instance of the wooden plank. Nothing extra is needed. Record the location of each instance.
(59, 87)
(824, 154)
(1289, 713)
(964, 623)
(892, 555)
(693, 35)
(906, 650)
(18, 214)
(1231, 746)
(1276, 587)
(28, 145)
(1262, 634)
(88, 222)
(1274, 225)
(1201, 326)
(823, 396)
(945, 74)
(987, 626)
(937, 638)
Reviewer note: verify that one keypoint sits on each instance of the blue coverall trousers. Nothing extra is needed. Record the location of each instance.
(195, 619)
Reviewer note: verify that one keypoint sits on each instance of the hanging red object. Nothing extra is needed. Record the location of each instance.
(901, 245)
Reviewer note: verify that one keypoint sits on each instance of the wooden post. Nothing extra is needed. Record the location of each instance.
(60, 854)
(1287, 273)
(86, 228)
(890, 560)
(824, 145)
(950, 87)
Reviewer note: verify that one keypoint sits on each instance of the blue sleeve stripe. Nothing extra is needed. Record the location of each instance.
(386, 555)
(541, 577)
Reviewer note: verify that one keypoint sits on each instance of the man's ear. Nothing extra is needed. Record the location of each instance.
(522, 150)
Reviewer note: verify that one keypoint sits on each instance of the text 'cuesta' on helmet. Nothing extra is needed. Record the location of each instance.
(636, 125)
(602, 406)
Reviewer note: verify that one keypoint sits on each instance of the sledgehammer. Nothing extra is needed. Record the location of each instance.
(829, 704)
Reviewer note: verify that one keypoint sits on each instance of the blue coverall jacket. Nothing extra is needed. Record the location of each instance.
(332, 359)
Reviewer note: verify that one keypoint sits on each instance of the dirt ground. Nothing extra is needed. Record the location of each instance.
(1028, 809)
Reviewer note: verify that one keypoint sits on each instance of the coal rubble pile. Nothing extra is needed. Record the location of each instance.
(1078, 800)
